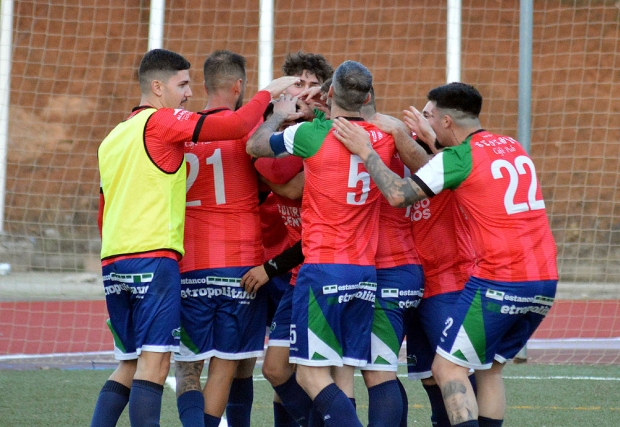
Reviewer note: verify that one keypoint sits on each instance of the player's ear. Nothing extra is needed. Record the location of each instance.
(156, 87)
(367, 100)
(238, 87)
(447, 121)
(330, 92)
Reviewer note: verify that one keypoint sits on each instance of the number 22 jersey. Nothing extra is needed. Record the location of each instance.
(495, 182)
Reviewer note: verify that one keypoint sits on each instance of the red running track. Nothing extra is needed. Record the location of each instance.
(79, 326)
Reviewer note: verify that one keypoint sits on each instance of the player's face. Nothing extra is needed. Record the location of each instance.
(176, 91)
(437, 121)
(306, 81)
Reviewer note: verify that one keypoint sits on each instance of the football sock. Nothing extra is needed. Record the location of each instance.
(240, 400)
(471, 423)
(489, 422)
(336, 408)
(353, 402)
(295, 400)
(315, 419)
(281, 417)
(385, 405)
(111, 402)
(191, 405)
(439, 416)
(403, 397)
(212, 421)
(145, 403)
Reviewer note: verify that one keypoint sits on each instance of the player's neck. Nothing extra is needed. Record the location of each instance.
(218, 101)
(340, 112)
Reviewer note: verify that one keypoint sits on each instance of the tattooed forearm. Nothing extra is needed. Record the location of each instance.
(187, 375)
(399, 192)
(458, 403)
(258, 144)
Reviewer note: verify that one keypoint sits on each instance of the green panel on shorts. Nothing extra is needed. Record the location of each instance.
(380, 361)
(117, 341)
(317, 323)
(187, 341)
(382, 328)
(474, 326)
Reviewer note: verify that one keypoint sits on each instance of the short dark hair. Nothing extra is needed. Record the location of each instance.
(370, 107)
(159, 64)
(352, 82)
(458, 96)
(295, 63)
(221, 67)
(326, 84)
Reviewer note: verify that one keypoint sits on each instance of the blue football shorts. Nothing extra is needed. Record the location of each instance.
(275, 289)
(493, 320)
(143, 296)
(399, 291)
(423, 332)
(332, 315)
(280, 330)
(219, 318)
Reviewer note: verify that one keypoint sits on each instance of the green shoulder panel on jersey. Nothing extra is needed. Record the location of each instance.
(457, 164)
(319, 114)
(309, 137)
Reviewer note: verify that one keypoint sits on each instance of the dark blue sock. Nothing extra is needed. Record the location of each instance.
(385, 405)
(353, 402)
(403, 396)
(191, 405)
(439, 415)
(281, 417)
(240, 400)
(315, 419)
(472, 423)
(295, 400)
(336, 408)
(211, 421)
(489, 422)
(145, 403)
(111, 402)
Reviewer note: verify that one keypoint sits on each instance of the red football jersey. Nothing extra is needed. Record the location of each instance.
(443, 243)
(396, 246)
(340, 207)
(222, 226)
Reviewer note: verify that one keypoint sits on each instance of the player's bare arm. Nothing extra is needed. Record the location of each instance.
(410, 152)
(279, 85)
(398, 191)
(293, 189)
(284, 109)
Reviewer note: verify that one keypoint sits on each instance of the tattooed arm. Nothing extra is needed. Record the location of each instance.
(398, 191)
(411, 153)
(284, 110)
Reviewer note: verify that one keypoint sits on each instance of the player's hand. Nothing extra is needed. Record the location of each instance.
(310, 95)
(388, 124)
(254, 279)
(314, 98)
(306, 110)
(352, 136)
(286, 107)
(419, 125)
(279, 85)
